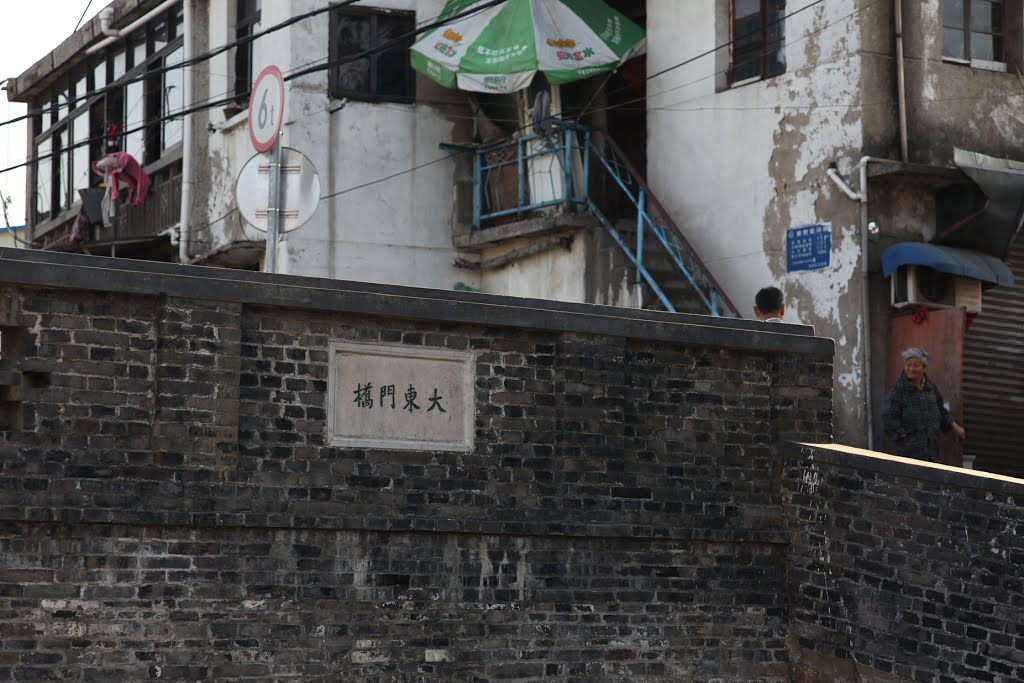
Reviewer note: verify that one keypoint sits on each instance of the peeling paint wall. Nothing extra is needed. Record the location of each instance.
(737, 167)
(397, 230)
(950, 104)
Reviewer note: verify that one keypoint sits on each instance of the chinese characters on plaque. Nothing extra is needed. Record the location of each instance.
(401, 397)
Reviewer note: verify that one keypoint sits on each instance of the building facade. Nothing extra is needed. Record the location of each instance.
(676, 186)
(849, 115)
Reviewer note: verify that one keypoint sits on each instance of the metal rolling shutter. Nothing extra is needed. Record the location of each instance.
(994, 376)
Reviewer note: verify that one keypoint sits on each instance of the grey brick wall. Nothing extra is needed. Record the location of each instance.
(903, 571)
(170, 509)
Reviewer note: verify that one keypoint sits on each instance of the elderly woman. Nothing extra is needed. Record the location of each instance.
(915, 415)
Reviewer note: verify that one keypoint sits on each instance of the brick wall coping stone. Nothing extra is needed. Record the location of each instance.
(113, 275)
(873, 461)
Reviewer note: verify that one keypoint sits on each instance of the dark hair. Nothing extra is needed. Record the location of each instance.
(769, 300)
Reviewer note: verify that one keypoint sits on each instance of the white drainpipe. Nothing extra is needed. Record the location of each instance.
(862, 197)
(107, 15)
(184, 227)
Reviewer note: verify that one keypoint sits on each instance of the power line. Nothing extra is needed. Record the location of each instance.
(192, 61)
(216, 103)
(84, 12)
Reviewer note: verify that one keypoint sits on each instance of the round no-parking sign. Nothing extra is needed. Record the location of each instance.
(266, 107)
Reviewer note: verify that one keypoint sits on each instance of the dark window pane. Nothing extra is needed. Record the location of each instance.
(386, 75)
(248, 25)
(953, 13)
(746, 32)
(953, 43)
(746, 65)
(986, 17)
(352, 35)
(354, 77)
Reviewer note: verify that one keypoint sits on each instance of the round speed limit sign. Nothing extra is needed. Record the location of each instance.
(266, 108)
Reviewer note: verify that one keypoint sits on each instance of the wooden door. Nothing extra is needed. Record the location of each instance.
(941, 334)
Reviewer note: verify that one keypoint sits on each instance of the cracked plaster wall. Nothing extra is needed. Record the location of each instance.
(951, 104)
(737, 167)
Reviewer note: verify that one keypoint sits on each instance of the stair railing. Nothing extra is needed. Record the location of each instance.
(651, 216)
(535, 172)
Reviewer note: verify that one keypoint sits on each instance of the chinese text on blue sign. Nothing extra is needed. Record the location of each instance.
(808, 247)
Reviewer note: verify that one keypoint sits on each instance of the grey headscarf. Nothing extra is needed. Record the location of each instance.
(916, 352)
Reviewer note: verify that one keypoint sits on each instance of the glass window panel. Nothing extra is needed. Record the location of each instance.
(80, 154)
(742, 8)
(746, 65)
(953, 13)
(135, 108)
(353, 34)
(174, 100)
(119, 65)
(746, 33)
(44, 180)
(177, 21)
(60, 111)
(138, 48)
(159, 33)
(986, 46)
(986, 17)
(80, 89)
(60, 176)
(953, 43)
(99, 75)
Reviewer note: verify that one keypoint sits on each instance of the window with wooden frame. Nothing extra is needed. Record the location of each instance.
(757, 35)
(974, 30)
(385, 76)
(247, 23)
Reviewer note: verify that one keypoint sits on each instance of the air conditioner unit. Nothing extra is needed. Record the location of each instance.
(922, 286)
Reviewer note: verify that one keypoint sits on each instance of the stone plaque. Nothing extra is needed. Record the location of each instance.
(400, 397)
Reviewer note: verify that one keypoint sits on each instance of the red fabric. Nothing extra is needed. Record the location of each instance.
(129, 173)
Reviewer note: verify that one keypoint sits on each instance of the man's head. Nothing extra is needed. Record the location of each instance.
(768, 304)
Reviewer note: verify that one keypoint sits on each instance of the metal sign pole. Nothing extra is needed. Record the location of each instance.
(273, 208)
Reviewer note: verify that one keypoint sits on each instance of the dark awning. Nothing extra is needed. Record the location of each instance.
(964, 262)
(988, 225)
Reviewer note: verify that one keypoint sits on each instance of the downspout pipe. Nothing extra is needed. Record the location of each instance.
(107, 16)
(901, 85)
(185, 215)
(862, 198)
(869, 402)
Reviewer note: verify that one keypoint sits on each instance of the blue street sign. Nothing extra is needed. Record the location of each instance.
(809, 247)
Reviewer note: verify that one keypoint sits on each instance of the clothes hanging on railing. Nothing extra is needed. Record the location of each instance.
(121, 170)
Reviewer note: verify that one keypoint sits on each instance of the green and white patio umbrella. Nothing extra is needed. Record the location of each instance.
(499, 49)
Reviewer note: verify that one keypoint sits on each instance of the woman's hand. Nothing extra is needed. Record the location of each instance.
(959, 431)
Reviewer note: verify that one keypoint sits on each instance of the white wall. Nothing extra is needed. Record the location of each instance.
(736, 168)
(396, 230)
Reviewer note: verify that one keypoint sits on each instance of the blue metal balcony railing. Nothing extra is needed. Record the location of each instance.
(531, 173)
(528, 173)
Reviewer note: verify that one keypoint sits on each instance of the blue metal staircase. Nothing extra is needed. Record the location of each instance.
(532, 172)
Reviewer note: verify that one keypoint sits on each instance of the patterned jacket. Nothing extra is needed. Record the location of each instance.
(915, 418)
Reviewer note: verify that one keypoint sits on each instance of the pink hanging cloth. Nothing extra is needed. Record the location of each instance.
(121, 169)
